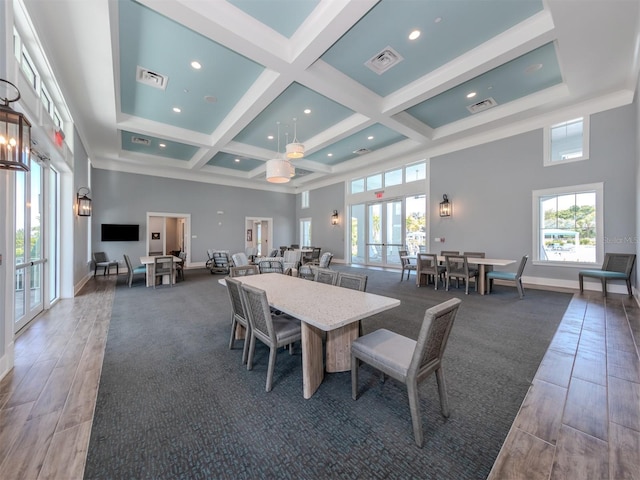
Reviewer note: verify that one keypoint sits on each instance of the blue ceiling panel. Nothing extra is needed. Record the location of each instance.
(284, 16)
(508, 82)
(226, 160)
(448, 29)
(345, 149)
(154, 42)
(135, 142)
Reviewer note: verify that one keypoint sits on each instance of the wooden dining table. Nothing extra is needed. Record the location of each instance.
(320, 308)
(149, 262)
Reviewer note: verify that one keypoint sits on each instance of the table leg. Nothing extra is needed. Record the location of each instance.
(339, 347)
(150, 274)
(312, 364)
(481, 279)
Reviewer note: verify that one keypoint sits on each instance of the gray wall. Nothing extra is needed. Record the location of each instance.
(490, 187)
(126, 198)
(81, 264)
(322, 203)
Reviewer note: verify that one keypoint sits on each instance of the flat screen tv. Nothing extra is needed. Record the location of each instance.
(112, 232)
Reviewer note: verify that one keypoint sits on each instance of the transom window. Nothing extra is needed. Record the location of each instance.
(566, 142)
(398, 176)
(304, 199)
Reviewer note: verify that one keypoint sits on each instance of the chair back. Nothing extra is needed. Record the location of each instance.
(474, 254)
(240, 259)
(210, 253)
(163, 265)
(428, 263)
(433, 337)
(275, 253)
(325, 260)
(449, 252)
(271, 265)
(127, 262)
(619, 262)
(291, 259)
(295, 246)
(523, 262)
(244, 271)
(456, 265)
(324, 275)
(182, 255)
(315, 254)
(403, 253)
(100, 257)
(258, 312)
(220, 259)
(352, 281)
(235, 297)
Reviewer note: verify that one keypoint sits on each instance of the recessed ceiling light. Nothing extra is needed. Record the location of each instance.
(533, 68)
(269, 137)
(307, 111)
(196, 65)
(176, 109)
(415, 34)
(471, 94)
(163, 145)
(370, 137)
(329, 154)
(437, 20)
(237, 160)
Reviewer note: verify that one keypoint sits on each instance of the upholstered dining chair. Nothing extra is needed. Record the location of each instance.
(240, 259)
(616, 266)
(325, 260)
(509, 276)
(220, 262)
(163, 265)
(238, 317)
(457, 266)
(275, 331)
(354, 281)
(409, 361)
(131, 271)
(291, 259)
(406, 264)
(101, 260)
(428, 267)
(271, 265)
(244, 270)
(324, 275)
(474, 255)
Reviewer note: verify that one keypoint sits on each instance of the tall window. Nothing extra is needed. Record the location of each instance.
(305, 232)
(566, 142)
(304, 199)
(568, 224)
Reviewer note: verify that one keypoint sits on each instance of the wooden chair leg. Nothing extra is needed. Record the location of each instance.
(416, 419)
(354, 377)
(442, 391)
(272, 363)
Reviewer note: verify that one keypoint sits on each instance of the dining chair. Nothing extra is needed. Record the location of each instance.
(428, 267)
(409, 361)
(291, 260)
(238, 317)
(324, 261)
(354, 281)
(163, 265)
(221, 262)
(406, 264)
(616, 266)
(180, 265)
(275, 331)
(307, 271)
(240, 259)
(271, 265)
(131, 271)
(324, 275)
(509, 276)
(474, 255)
(456, 266)
(101, 260)
(244, 270)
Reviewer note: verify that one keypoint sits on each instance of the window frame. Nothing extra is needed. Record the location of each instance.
(537, 195)
(302, 240)
(304, 199)
(547, 143)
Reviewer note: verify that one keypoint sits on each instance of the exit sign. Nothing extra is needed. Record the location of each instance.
(379, 194)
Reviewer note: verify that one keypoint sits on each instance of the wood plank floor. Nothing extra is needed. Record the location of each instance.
(580, 418)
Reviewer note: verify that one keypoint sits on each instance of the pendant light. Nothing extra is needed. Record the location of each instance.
(279, 169)
(295, 149)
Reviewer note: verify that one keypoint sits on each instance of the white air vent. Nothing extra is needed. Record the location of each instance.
(384, 60)
(141, 141)
(361, 151)
(483, 105)
(153, 79)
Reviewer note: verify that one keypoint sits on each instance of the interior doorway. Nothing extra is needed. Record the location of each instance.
(168, 232)
(259, 235)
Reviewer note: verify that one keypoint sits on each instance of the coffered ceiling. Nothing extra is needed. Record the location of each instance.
(344, 77)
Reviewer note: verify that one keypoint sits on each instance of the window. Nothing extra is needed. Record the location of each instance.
(47, 104)
(417, 171)
(305, 232)
(304, 199)
(568, 226)
(374, 182)
(29, 70)
(566, 142)
(57, 121)
(357, 186)
(393, 177)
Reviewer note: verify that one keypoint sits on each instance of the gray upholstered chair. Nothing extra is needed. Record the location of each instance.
(220, 262)
(131, 271)
(100, 260)
(474, 255)
(409, 361)
(509, 276)
(456, 266)
(164, 265)
(406, 264)
(271, 265)
(324, 275)
(244, 270)
(291, 260)
(307, 271)
(238, 317)
(240, 259)
(616, 266)
(353, 281)
(325, 260)
(428, 267)
(275, 331)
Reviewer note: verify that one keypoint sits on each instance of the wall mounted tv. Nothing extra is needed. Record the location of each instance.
(112, 232)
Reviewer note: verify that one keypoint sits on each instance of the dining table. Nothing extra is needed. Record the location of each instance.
(149, 262)
(322, 310)
(484, 265)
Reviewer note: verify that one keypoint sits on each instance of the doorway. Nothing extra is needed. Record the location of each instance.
(168, 232)
(258, 235)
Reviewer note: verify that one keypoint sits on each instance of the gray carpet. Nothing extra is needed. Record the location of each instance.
(175, 402)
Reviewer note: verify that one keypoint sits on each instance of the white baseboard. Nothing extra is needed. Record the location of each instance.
(7, 360)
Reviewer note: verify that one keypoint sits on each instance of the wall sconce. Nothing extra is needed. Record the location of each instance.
(445, 206)
(15, 135)
(334, 217)
(83, 202)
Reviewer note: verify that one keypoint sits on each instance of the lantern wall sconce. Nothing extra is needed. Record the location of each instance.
(445, 206)
(83, 203)
(15, 132)
(334, 218)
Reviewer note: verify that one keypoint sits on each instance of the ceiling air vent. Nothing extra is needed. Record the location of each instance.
(141, 141)
(361, 151)
(384, 60)
(153, 79)
(483, 105)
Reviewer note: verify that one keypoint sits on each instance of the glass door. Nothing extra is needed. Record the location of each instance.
(29, 276)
